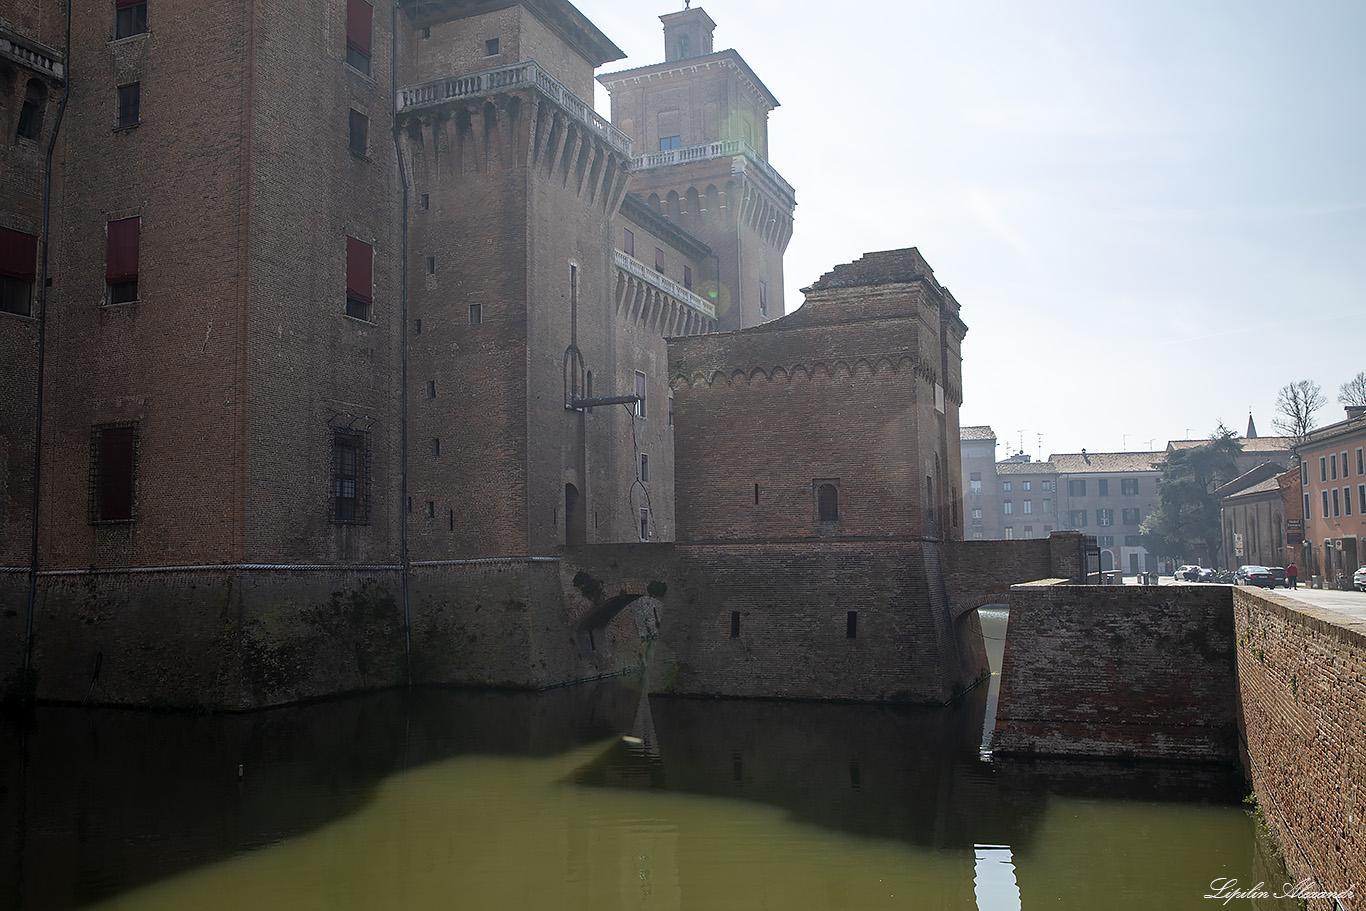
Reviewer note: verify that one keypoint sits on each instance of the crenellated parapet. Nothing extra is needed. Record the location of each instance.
(516, 116)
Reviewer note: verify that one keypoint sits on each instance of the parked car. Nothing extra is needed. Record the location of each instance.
(1359, 579)
(1254, 575)
(1278, 576)
(1206, 574)
(1187, 573)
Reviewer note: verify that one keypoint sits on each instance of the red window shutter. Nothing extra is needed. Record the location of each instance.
(359, 15)
(121, 255)
(359, 270)
(18, 254)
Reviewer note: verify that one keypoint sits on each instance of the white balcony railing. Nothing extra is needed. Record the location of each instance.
(667, 285)
(520, 75)
(31, 53)
(731, 148)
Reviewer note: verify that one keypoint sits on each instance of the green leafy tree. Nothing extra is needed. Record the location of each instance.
(1187, 513)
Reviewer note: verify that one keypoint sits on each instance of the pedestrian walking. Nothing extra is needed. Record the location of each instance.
(1292, 575)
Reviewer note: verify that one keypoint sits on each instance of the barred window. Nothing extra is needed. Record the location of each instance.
(350, 478)
(113, 472)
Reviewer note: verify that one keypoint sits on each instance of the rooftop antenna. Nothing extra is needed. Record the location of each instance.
(1124, 442)
(1150, 444)
(1040, 447)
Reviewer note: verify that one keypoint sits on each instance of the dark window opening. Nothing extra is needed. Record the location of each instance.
(431, 265)
(436, 446)
(431, 509)
(851, 625)
(431, 389)
(640, 394)
(130, 18)
(417, 327)
(426, 31)
(359, 22)
(360, 133)
(687, 277)
(828, 503)
(360, 264)
(113, 465)
(659, 260)
(669, 143)
(644, 468)
(130, 104)
(628, 242)
(735, 624)
(31, 112)
(756, 494)
(491, 47)
(426, 201)
(476, 314)
(644, 524)
(452, 520)
(122, 247)
(350, 478)
(18, 269)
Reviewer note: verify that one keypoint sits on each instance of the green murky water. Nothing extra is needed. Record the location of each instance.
(445, 800)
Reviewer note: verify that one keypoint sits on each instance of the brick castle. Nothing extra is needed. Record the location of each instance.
(337, 338)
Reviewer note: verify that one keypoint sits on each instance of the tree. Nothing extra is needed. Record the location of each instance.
(1295, 405)
(1187, 511)
(1353, 392)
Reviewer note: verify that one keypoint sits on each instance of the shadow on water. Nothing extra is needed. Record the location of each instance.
(94, 802)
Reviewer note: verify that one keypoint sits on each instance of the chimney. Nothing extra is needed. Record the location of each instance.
(1355, 411)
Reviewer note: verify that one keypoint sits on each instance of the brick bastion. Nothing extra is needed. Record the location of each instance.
(1212, 673)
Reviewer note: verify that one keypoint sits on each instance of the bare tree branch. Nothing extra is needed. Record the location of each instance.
(1295, 405)
(1353, 392)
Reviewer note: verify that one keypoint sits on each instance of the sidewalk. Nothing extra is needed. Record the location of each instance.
(1352, 604)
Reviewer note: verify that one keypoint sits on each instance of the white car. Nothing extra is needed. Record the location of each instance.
(1359, 579)
(1187, 573)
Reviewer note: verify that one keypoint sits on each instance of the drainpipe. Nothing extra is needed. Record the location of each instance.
(403, 343)
(42, 350)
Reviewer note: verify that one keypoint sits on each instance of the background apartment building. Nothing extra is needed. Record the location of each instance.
(1333, 499)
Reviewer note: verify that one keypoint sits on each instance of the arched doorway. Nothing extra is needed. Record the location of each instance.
(575, 528)
(1107, 560)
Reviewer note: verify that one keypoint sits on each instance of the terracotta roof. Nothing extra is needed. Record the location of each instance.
(1254, 444)
(1250, 479)
(1026, 468)
(1098, 462)
(1270, 485)
(980, 432)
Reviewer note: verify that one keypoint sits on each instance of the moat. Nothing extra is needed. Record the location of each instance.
(441, 800)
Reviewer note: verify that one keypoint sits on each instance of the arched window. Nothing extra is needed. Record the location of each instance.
(828, 503)
(31, 114)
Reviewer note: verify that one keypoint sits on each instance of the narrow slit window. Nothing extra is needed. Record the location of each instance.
(130, 104)
(640, 394)
(644, 468)
(360, 264)
(31, 111)
(18, 270)
(851, 624)
(359, 24)
(113, 465)
(476, 314)
(124, 241)
(735, 624)
(360, 133)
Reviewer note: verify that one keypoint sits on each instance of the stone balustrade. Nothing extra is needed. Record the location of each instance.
(667, 285)
(31, 54)
(528, 74)
(731, 148)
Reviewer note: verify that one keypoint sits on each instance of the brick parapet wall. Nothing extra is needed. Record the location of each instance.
(1302, 677)
(1110, 671)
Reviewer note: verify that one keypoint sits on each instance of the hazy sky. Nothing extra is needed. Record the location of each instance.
(1153, 214)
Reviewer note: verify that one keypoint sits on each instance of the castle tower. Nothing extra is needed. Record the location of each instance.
(699, 125)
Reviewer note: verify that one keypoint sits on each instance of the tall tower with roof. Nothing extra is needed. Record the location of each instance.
(698, 123)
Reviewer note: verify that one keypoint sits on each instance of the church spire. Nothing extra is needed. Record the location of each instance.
(1251, 427)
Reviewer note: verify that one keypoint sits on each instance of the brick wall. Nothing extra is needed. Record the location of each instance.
(1113, 671)
(1302, 680)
